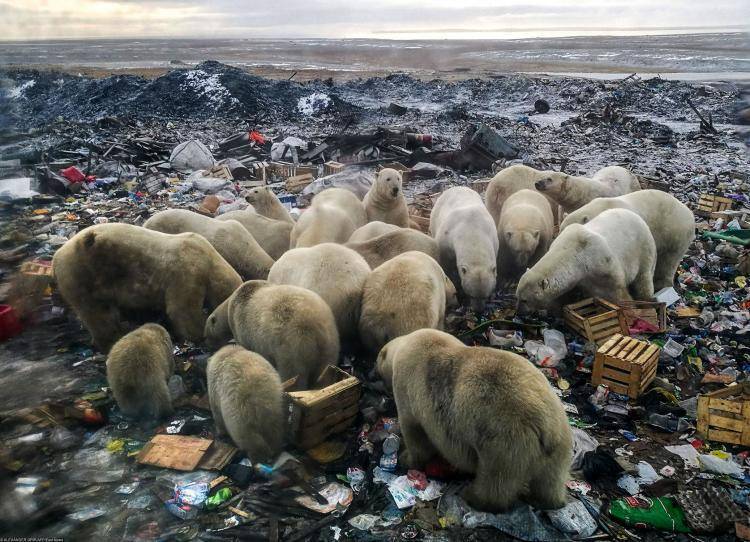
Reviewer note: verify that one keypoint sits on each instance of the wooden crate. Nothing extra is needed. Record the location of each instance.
(711, 203)
(284, 170)
(420, 209)
(329, 168)
(626, 365)
(724, 415)
(650, 311)
(318, 414)
(595, 319)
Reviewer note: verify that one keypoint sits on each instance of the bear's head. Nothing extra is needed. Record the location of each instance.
(388, 184)
(217, 331)
(451, 296)
(384, 363)
(554, 185)
(522, 245)
(258, 195)
(478, 282)
(532, 292)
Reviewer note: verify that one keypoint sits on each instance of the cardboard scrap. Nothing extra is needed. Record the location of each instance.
(186, 453)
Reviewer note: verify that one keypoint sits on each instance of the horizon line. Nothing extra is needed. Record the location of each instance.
(720, 29)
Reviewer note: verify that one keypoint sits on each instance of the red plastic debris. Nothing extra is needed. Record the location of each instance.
(73, 174)
(10, 325)
(257, 137)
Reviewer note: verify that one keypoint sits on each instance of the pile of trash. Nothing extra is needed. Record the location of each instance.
(672, 461)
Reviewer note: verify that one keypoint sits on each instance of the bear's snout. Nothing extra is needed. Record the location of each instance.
(394, 191)
(542, 184)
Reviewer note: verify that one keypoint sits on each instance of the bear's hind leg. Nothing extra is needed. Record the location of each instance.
(497, 485)
(419, 449)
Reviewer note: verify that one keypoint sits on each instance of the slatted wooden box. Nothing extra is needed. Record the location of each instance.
(595, 319)
(420, 209)
(318, 414)
(329, 168)
(653, 312)
(626, 365)
(724, 415)
(708, 204)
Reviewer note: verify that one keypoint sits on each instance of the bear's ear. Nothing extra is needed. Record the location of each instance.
(536, 233)
(463, 269)
(544, 284)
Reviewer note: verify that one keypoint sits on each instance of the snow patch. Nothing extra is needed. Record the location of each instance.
(314, 103)
(209, 87)
(17, 92)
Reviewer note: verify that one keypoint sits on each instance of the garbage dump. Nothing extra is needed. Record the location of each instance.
(654, 393)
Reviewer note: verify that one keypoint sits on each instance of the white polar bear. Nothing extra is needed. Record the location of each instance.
(372, 230)
(510, 180)
(671, 222)
(524, 231)
(334, 272)
(333, 216)
(467, 241)
(385, 200)
(574, 192)
(613, 256)
(273, 235)
(406, 293)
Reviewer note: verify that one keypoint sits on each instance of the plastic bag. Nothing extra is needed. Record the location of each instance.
(574, 519)
(662, 513)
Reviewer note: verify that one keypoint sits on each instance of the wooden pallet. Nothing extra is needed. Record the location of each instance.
(651, 311)
(595, 319)
(626, 365)
(724, 415)
(318, 414)
(708, 204)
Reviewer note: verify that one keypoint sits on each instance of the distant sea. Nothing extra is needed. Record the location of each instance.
(727, 53)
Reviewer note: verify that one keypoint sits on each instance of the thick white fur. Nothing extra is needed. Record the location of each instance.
(332, 218)
(613, 256)
(334, 272)
(406, 293)
(380, 249)
(266, 203)
(574, 192)
(272, 235)
(371, 230)
(510, 180)
(385, 200)
(467, 240)
(672, 225)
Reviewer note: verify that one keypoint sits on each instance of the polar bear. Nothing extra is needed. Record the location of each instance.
(510, 180)
(524, 231)
(572, 192)
(334, 272)
(384, 247)
(139, 366)
(229, 238)
(671, 222)
(486, 411)
(385, 200)
(371, 230)
(332, 218)
(246, 399)
(272, 235)
(109, 272)
(612, 256)
(292, 327)
(467, 241)
(265, 203)
(407, 293)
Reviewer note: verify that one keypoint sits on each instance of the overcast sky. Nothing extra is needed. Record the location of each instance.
(44, 19)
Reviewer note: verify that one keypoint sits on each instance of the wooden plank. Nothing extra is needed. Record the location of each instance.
(618, 376)
(703, 415)
(608, 315)
(314, 439)
(721, 422)
(619, 363)
(647, 376)
(724, 436)
(621, 345)
(726, 392)
(612, 322)
(615, 386)
(604, 349)
(315, 414)
(331, 420)
(313, 397)
(587, 330)
(638, 349)
(726, 406)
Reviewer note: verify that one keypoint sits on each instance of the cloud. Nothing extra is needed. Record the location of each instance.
(338, 18)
